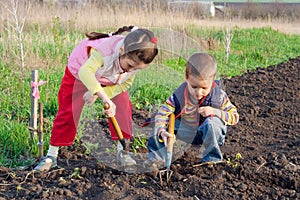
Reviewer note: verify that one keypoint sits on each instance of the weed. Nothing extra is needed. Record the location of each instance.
(90, 147)
(139, 141)
(76, 173)
(234, 162)
(19, 188)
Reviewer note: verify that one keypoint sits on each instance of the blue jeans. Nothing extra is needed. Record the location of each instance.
(210, 135)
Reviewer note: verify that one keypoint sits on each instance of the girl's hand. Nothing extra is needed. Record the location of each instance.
(111, 111)
(206, 111)
(89, 98)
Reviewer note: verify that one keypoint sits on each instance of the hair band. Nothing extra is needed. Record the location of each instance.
(154, 40)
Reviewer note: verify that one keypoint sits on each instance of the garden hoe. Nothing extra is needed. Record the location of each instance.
(117, 128)
(169, 151)
(128, 169)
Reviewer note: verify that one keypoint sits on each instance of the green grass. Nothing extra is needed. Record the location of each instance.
(264, 46)
(15, 146)
(48, 52)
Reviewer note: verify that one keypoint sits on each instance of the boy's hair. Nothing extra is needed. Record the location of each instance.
(139, 44)
(201, 65)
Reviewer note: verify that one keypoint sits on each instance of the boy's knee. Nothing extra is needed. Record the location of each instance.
(213, 120)
(215, 128)
(214, 123)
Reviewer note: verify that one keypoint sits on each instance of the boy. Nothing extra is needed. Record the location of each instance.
(202, 111)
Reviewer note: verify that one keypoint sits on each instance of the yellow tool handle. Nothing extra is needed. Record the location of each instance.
(114, 123)
(171, 131)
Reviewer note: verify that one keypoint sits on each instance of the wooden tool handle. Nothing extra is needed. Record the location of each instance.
(171, 129)
(114, 123)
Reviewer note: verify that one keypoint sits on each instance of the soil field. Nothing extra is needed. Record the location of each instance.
(267, 137)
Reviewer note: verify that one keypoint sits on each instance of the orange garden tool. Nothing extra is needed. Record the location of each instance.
(116, 127)
(170, 144)
(130, 168)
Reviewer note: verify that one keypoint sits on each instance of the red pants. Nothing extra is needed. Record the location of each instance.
(70, 104)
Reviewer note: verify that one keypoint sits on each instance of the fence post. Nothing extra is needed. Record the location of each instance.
(34, 96)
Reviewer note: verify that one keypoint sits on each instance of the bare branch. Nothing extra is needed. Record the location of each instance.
(6, 7)
(228, 36)
(15, 27)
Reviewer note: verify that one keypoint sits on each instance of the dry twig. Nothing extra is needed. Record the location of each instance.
(55, 171)
(26, 177)
(210, 163)
(261, 166)
(155, 182)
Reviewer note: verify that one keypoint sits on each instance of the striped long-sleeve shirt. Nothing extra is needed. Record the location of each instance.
(190, 115)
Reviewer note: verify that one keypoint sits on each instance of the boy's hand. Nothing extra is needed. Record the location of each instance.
(89, 98)
(165, 135)
(206, 111)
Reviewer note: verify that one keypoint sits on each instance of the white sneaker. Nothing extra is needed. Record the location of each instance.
(46, 164)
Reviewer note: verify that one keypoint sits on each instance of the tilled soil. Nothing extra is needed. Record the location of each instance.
(267, 137)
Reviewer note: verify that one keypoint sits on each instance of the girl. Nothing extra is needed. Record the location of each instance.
(101, 66)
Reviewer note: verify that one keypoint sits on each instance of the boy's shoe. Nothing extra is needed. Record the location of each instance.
(150, 165)
(46, 164)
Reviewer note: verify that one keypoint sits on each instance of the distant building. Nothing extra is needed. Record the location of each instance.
(207, 7)
(66, 3)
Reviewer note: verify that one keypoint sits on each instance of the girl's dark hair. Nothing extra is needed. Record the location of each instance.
(96, 35)
(139, 45)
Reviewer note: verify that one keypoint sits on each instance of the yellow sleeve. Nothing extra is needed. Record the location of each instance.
(114, 90)
(88, 70)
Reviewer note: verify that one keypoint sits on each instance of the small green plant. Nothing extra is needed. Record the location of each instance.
(234, 162)
(76, 173)
(19, 188)
(113, 149)
(90, 147)
(138, 142)
(238, 156)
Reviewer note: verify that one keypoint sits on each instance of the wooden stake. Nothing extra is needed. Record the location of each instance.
(40, 133)
(34, 106)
